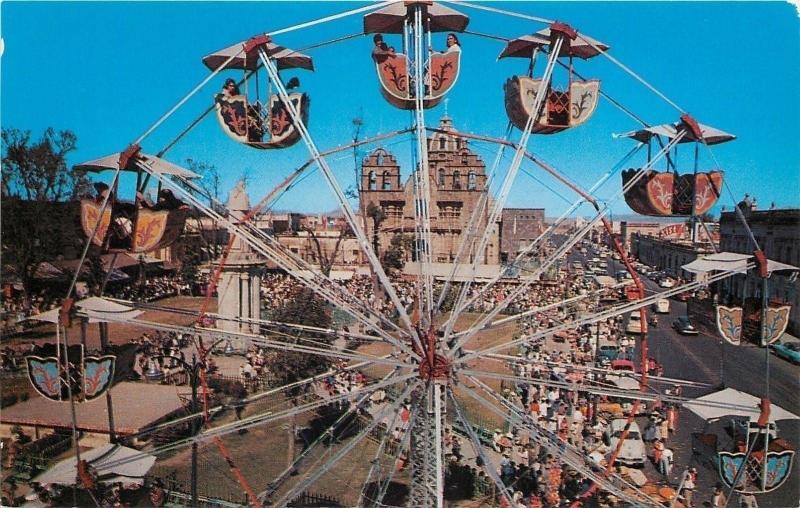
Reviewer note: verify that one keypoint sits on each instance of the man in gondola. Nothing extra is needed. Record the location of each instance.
(230, 88)
(122, 213)
(166, 201)
(381, 51)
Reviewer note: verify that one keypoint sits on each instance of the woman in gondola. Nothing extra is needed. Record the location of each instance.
(453, 45)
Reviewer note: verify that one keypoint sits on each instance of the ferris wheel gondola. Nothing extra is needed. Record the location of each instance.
(668, 193)
(562, 109)
(396, 69)
(252, 123)
(133, 227)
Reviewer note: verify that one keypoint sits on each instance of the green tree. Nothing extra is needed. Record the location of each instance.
(36, 182)
(395, 256)
(308, 309)
(377, 215)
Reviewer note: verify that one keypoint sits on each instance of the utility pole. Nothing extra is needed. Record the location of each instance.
(195, 429)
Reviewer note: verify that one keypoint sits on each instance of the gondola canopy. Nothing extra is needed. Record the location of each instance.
(710, 135)
(391, 18)
(284, 58)
(582, 47)
(156, 164)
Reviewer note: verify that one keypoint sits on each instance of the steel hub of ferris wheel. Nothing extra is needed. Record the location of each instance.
(430, 365)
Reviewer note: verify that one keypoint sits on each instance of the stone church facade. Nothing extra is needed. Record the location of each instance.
(457, 180)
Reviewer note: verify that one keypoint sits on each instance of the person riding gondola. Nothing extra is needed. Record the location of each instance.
(166, 201)
(230, 88)
(122, 224)
(453, 45)
(381, 51)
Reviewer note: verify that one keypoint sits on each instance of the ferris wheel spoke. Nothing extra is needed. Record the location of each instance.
(276, 483)
(259, 419)
(378, 462)
(563, 450)
(572, 367)
(510, 177)
(596, 389)
(561, 251)
(347, 210)
(260, 340)
(600, 316)
(546, 234)
(467, 241)
(403, 447)
(298, 268)
(310, 479)
(301, 384)
(477, 447)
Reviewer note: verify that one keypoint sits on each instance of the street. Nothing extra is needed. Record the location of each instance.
(707, 359)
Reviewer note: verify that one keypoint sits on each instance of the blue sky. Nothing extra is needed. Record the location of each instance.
(108, 70)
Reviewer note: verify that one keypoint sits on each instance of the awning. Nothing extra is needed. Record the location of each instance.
(522, 47)
(711, 135)
(98, 309)
(284, 58)
(733, 397)
(106, 462)
(156, 165)
(390, 19)
(733, 262)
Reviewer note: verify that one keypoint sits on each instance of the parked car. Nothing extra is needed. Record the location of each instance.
(634, 325)
(787, 350)
(632, 452)
(607, 353)
(666, 282)
(684, 327)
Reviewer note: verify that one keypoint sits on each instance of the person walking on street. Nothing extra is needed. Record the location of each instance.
(689, 484)
(718, 499)
(747, 500)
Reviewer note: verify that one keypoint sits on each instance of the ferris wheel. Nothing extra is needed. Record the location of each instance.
(435, 365)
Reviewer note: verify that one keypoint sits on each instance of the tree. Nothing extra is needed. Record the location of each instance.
(35, 184)
(289, 367)
(395, 256)
(325, 259)
(308, 309)
(377, 215)
(190, 261)
(211, 183)
(37, 171)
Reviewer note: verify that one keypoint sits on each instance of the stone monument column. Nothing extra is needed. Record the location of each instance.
(239, 288)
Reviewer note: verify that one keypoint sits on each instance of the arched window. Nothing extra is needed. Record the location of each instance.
(471, 180)
(441, 177)
(373, 181)
(442, 143)
(456, 180)
(387, 183)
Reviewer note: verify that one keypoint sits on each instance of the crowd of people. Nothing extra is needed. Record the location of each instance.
(152, 289)
(15, 309)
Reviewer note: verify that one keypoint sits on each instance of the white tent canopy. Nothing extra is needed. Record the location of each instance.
(732, 397)
(98, 309)
(732, 261)
(106, 461)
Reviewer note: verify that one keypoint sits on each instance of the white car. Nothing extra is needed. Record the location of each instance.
(666, 283)
(661, 306)
(634, 325)
(633, 452)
